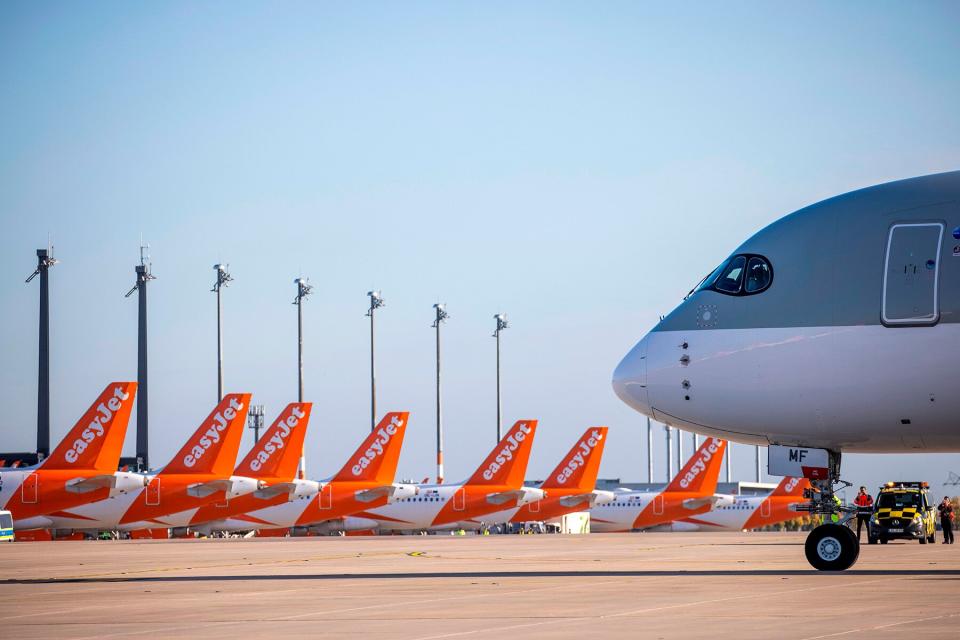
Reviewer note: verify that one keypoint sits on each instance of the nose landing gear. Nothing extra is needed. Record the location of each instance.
(832, 546)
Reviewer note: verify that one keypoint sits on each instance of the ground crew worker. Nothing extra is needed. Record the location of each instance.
(835, 516)
(946, 519)
(864, 502)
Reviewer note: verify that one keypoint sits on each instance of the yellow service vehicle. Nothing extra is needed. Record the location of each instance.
(902, 510)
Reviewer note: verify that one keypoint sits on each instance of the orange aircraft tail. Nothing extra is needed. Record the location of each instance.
(214, 445)
(376, 459)
(277, 453)
(700, 473)
(507, 463)
(579, 469)
(96, 440)
(792, 487)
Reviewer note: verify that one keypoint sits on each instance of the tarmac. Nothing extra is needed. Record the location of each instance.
(644, 585)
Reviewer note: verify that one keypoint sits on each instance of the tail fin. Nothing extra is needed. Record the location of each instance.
(700, 473)
(792, 487)
(277, 453)
(579, 469)
(214, 445)
(96, 440)
(376, 459)
(507, 463)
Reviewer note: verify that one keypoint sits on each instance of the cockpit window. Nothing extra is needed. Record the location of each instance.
(758, 275)
(740, 275)
(729, 281)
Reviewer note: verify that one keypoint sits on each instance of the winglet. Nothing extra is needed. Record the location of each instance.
(579, 468)
(214, 445)
(507, 463)
(790, 487)
(376, 459)
(97, 438)
(277, 453)
(700, 473)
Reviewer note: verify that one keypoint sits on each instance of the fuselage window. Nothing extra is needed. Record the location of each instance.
(758, 275)
(729, 281)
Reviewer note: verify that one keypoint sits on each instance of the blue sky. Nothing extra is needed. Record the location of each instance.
(578, 167)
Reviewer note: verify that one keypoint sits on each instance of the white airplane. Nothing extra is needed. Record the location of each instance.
(742, 513)
(830, 330)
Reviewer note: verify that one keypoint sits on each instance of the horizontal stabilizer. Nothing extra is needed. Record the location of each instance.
(390, 491)
(696, 503)
(292, 489)
(234, 485)
(86, 485)
(590, 499)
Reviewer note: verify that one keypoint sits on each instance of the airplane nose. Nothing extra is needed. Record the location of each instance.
(630, 378)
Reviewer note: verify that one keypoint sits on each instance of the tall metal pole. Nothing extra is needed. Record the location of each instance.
(649, 451)
(680, 459)
(45, 260)
(144, 275)
(440, 317)
(729, 461)
(757, 452)
(255, 420)
(669, 437)
(303, 290)
(223, 279)
(501, 319)
(376, 301)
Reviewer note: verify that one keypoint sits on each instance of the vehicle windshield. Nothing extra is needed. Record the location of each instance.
(899, 501)
(6, 521)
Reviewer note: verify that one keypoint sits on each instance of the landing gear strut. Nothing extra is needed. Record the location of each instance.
(832, 546)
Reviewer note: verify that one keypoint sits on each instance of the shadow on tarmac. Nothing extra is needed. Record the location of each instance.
(941, 573)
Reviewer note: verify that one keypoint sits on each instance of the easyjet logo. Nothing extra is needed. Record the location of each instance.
(377, 446)
(96, 428)
(505, 454)
(584, 449)
(790, 486)
(278, 439)
(700, 464)
(212, 435)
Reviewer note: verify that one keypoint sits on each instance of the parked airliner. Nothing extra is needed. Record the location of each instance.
(833, 329)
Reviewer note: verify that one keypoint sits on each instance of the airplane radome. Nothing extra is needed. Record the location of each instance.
(834, 327)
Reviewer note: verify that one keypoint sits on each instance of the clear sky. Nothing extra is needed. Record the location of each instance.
(578, 166)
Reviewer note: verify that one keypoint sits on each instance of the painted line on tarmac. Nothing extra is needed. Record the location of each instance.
(883, 626)
(600, 618)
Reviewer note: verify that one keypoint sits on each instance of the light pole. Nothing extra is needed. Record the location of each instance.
(649, 451)
(501, 319)
(144, 275)
(679, 450)
(255, 420)
(440, 317)
(729, 460)
(376, 301)
(758, 462)
(45, 260)
(223, 279)
(669, 436)
(303, 290)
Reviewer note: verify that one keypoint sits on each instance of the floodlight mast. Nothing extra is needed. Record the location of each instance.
(144, 275)
(649, 451)
(501, 319)
(255, 420)
(304, 289)
(45, 260)
(440, 317)
(376, 301)
(669, 437)
(223, 279)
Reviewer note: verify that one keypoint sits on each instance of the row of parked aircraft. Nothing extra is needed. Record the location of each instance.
(79, 488)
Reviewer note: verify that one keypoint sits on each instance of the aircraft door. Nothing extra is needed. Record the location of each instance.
(535, 506)
(765, 508)
(911, 274)
(30, 489)
(658, 505)
(326, 497)
(460, 499)
(152, 493)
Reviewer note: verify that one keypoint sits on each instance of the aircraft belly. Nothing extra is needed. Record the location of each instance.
(846, 388)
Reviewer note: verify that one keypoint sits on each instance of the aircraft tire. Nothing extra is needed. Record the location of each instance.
(884, 541)
(832, 547)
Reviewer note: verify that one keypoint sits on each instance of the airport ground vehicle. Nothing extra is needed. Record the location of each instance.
(6, 526)
(903, 511)
(789, 342)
